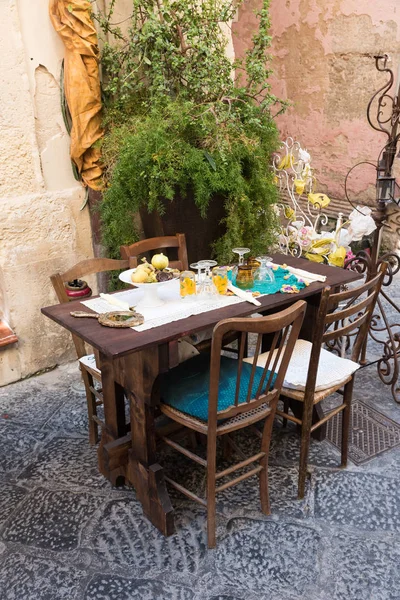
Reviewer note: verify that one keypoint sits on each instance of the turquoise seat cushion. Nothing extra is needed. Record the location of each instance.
(186, 387)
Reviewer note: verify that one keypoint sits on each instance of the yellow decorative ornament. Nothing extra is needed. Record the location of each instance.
(320, 200)
(285, 162)
(337, 257)
(322, 246)
(299, 186)
(289, 212)
(314, 257)
(322, 242)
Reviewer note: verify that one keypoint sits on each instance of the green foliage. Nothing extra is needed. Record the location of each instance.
(177, 122)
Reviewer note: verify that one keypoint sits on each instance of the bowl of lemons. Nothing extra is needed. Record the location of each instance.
(150, 277)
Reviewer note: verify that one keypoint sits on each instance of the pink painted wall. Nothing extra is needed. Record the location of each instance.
(323, 63)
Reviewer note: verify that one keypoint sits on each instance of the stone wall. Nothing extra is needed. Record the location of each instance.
(42, 229)
(323, 63)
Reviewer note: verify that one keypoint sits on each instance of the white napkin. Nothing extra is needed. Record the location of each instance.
(306, 275)
(111, 300)
(242, 294)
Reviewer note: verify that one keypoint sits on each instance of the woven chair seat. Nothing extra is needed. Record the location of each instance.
(248, 418)
(318, 396)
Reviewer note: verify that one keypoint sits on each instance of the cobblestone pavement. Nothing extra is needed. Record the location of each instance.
(66, 534)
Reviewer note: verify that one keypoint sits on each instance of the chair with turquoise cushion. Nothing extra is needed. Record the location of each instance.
(216, 395)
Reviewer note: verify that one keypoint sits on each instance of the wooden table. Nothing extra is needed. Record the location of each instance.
(130, 361)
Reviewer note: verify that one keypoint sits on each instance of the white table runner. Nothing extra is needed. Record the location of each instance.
(174, 309)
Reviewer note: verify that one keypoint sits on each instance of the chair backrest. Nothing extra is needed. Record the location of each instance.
(81, 269)
(342, 316)
(283, 328)
(178, 241)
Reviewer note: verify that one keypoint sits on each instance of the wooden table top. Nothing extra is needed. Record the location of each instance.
(119, 342)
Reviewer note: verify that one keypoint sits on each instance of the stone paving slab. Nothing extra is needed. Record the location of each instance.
(361, 500)
(361, 568)
(33, 405)
(18, 448)
(25, 577)
(65, 462)
(285, 449)
(108, 587)
(10, 497)
(70, 417)
(244, 499)
(51, 520)
(120, 534)
(251, 556)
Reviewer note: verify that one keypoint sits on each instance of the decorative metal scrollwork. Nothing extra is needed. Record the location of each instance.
(386, 102)
(296, 180)
(385, 324)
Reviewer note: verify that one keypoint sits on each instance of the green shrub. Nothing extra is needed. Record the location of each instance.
(178, 122)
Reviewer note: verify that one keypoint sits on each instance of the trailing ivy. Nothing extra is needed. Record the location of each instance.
(178, 122)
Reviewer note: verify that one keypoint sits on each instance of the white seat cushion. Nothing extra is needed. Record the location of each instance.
(186, 351)
(89, 361)
(332, 369)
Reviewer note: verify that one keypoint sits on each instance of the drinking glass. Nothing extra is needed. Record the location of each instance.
(187, 284)
(196, 266)
(244, 277)
(264, 273)
(220, 279)
(206, 286)
(241, 252)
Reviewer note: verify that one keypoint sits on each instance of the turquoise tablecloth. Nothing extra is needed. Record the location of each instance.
(282, 278)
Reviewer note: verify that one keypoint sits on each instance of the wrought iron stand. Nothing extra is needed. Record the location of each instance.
(385, 329)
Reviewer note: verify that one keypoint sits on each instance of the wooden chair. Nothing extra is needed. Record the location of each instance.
(133, 251)
(341, 315)
(218, 395)
(87, 363)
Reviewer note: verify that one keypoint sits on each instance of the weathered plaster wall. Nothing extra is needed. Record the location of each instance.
(41, 227)
(323, 63)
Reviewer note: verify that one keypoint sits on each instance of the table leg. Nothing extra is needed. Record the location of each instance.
(114, 418)
(137, 373)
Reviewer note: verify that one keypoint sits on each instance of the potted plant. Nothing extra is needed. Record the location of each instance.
(187, 132)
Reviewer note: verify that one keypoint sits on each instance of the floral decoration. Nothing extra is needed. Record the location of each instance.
(300, 233)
